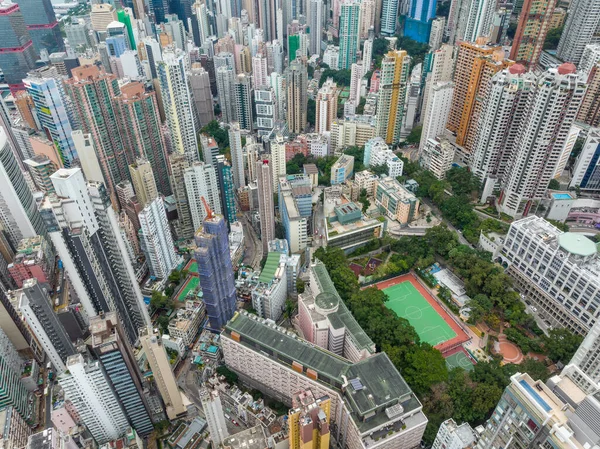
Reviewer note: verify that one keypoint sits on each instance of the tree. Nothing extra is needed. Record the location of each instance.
(443, 9)
(554, 184)
(552, 38)
(536, 369)
(415, 135)
(158, 300)
(289, 308)
(214, 130)
(175, 276)
(561, 344)
(163, 323)
(230, 376)
(425, 367)
(562, 226)
(363, 199)
(311, 106)
(378, 170)
(300, 285)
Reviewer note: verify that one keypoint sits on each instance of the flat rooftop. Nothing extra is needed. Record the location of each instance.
(271, 265)
(252, 438)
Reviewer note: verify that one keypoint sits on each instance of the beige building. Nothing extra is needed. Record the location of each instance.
(188, 321)
(352, 131)
(163, 375)
(142, 178)
(326, 106)
(102, 15)
(437, 156)
(364, 180)
(398, 203)
(14, 431)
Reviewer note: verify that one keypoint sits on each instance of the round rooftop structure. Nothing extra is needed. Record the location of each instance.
(517, 69)
(567, 67)
(577, 244)
(326, 303)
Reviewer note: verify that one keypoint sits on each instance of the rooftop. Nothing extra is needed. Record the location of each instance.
(271, 265)
(311, 169)
(252, 438)
(577, 244)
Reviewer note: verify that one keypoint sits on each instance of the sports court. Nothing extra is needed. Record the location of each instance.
(408, 303)
(459, 360)
(411, 300)
(190, 285)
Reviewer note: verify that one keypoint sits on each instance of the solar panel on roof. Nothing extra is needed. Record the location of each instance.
(356, 384)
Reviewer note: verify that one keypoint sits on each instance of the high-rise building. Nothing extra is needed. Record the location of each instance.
(266, 110)
(452, 436)
(582, 28)
(438, 107)
(225, 86)
(315, 24)
(265, 202)
(36, 308)
(109, 345)
(309, 421)
(469, 20)
(437, 156)
(392, 95)
(587, 356)
(438, 68)
(541, 138)
(586, 173)
(475, 65)
(15, 431)
(162, 373)
(48, 96)
(294, 222)
(297, 84)
(201, 94)
(142, 179)
(417, 25)
(91, 92)
(86, 386)
(156, 240)
(389, 17)
(237, 159)
(436, 35)
(13, 393)
(243, 102)
(215, 271)
(201, 184)
(177, 101)
(589, 112)
(534, 24)
(19, 215)
(277, 160)
(326, 104)
(101, 16)
(349, 33)
(226, 189)
(140, 126)
(184, 227)
(215, 416)
(17, 52)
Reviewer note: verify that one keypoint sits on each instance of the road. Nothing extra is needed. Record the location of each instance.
(253, 254)
(318, 224)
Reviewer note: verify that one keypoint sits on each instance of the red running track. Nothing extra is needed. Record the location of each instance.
(448, 346)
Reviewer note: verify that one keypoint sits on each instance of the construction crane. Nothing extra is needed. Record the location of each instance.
(209, 212)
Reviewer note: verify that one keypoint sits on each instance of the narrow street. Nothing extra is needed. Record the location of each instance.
(253, 253)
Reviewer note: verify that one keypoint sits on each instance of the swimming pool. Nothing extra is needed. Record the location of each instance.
(561, 196)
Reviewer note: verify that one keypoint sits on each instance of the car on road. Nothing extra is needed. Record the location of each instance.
(533, 308)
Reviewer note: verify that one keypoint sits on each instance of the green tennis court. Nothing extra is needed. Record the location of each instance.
(407, 302)
(190, 285)
(459, 360)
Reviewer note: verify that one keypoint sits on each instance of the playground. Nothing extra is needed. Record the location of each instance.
(460, 359)
(190, 285)
(192, 267)
(411, 300)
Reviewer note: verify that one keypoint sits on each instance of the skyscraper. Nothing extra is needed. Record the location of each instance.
(243, 102)
(265, 203)
(42, 26)
(534, 24)
(392, 95)
(91, 92)
(309, 421)
(17, 52)
(389, 17)
(87, 388)
(225, 86)
(12, 390)
(201, 183)
(215, 416)
(542, 134)
(39, 314)
(315, 23)
(237, 159)
(349, 32)
(326, 106)
(184, 227)
(438, 108)
(418, 23)
(19, 215)
(475, 65)
(142, 179)
(215, 271)
(118, 362)
(590, 107)
(156, 240)
(177, 101)
(51, 110)
(582, 27)
(162, 373)
(226, 189)
(297, 83)
(140, 125)
(201, 94)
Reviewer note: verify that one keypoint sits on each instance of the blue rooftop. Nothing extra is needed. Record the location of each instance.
(535, 395)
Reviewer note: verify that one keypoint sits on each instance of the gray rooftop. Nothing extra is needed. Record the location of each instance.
(252, 438)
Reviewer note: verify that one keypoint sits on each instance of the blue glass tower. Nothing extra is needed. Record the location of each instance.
(418, 23)
(215, 271)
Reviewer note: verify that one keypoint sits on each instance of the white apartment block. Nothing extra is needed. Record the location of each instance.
(87, 388)
(237, 158)
(364, 180)
(437, 112)
(201, 182)
(318, 145)
(186, 324)
(437, 156)
(587, 357)
(377, 152)
(214, 414)
(558, 272)
(351, 131)
(453, 436)
(271, 291)
(371, 405)
(581, 28)
(590, 57)
(156, 240)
